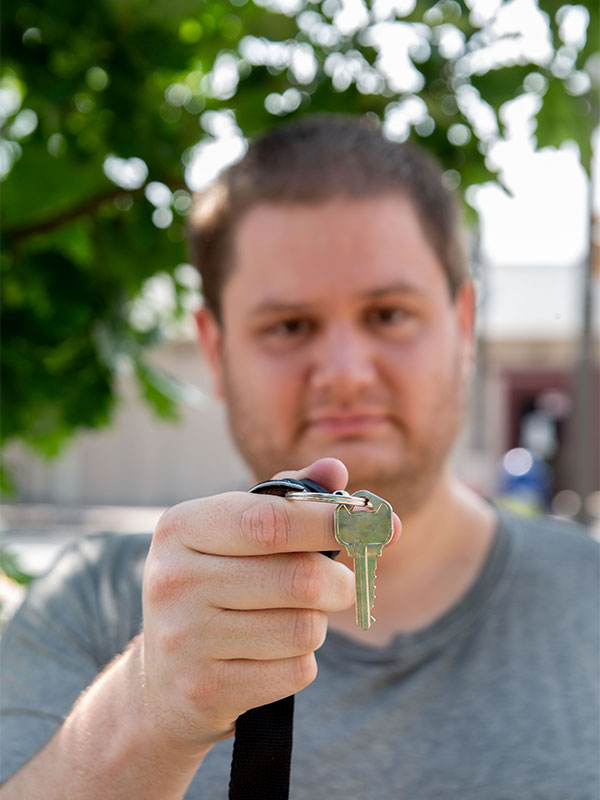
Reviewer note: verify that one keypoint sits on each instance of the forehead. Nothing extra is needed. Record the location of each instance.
(303, 252)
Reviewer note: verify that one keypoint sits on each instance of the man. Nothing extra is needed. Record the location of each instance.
(339, 329)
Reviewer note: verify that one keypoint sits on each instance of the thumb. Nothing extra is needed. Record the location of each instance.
(331, 473)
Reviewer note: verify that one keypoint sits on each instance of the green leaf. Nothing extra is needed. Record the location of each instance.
(9, 566)
(160, 390)
(562, 117)
(498, 86)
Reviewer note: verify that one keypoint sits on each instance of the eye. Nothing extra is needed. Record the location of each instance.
(286, 333)
(394, 322)
(388, 316)
(290, 328)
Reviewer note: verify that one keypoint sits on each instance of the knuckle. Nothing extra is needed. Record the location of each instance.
(157, 585)
(170, 642)
(168, 525)
(163, 583)
(309, 630)
(267, 525)
(304, 670)
(159, 589)
(201, 688)
(303, 581)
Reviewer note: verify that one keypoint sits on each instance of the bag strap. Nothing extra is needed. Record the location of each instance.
(262, 750)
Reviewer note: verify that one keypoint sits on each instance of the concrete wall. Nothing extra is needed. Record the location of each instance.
(142, 460)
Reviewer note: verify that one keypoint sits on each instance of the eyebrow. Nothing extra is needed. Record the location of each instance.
(278, 306)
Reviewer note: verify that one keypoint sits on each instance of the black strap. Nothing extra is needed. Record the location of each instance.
(262, 750)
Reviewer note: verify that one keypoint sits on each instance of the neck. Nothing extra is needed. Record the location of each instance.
(442, 549)
(447, 520)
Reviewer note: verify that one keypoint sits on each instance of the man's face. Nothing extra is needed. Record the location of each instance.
(339, 338)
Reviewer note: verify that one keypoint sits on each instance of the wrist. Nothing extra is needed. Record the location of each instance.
(150, 723)
(115, 741)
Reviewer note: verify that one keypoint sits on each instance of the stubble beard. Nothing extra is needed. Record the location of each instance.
(427, 455)
(408, 477)
(253, 436)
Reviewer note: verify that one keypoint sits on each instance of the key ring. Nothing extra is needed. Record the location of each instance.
(293, 489)
(341, 498)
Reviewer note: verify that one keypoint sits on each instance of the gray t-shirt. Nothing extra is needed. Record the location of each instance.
(496, 700)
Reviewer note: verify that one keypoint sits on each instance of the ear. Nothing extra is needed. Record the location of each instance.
(210, 341)
(464, 304)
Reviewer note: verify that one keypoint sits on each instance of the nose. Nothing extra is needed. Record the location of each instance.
(343, 366)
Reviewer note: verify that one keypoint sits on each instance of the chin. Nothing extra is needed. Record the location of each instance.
(368, 462)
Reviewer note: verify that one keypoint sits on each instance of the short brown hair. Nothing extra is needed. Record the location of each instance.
(314, 160)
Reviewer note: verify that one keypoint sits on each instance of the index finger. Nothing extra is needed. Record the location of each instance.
(243, 524)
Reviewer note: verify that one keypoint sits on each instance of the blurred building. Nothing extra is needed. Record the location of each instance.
(527, 394)
(141, 460)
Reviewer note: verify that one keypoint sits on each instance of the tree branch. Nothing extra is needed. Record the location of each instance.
(86, 208)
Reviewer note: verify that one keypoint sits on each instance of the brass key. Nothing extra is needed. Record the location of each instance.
(364, 532)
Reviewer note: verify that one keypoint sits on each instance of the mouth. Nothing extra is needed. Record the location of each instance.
(348, 424)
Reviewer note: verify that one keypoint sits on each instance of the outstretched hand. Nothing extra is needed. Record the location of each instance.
(236, 596)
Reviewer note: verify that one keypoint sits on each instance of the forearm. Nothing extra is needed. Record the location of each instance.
(108, 747)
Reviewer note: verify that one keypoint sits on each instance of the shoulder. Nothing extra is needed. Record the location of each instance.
(121, 551)
(552, 557)
(97, 547)
(93, 577)
(550, 538)
(94, 557)
(90, 597)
